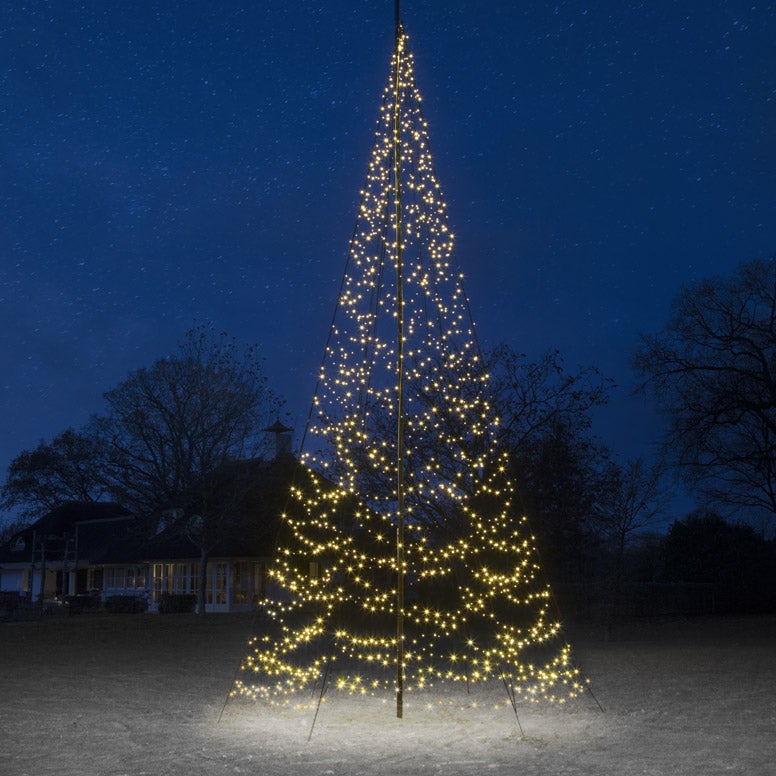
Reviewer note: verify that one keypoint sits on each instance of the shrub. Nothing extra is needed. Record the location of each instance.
(83, 601)
(10, 602)
(177, 603)
(126, 604)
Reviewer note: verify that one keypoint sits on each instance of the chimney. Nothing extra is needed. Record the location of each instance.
(282, 439)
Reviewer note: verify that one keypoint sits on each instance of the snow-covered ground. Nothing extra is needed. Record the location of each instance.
(103, 695)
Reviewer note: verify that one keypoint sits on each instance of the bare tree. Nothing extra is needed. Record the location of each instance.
(558, 465)
(533, 397)
(540, 413)
(712, 371)
(634, 499)
(69, 468)
(173, 433)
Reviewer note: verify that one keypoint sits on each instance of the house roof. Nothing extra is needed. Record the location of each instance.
(97, 529)
(108, 534)
(173, 545)
(278, 428)
(257, 512)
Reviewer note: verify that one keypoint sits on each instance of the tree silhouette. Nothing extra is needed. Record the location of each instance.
(711, 372)
(175, 433)
(69, 468)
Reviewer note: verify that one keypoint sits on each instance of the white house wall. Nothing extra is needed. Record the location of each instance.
(232, 586)
(15, 580)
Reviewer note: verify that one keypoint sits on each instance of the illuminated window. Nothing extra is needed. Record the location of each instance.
(217, 589)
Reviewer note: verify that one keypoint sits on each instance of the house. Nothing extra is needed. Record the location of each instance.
(66, 552)
(238, 557)
(96, 548)
(236, 572)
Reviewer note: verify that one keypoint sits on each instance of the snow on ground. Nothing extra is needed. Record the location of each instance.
(111, 695)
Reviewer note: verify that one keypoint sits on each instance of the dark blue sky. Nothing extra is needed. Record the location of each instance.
(170, 163)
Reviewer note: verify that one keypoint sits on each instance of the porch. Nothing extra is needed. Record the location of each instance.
(232, 585)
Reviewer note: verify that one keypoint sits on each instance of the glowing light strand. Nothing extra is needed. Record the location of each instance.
(476, 608)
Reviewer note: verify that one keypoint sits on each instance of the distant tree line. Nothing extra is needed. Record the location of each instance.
(169, 442)
(601, 524)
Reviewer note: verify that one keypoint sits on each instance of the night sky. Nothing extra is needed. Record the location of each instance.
(173, 163)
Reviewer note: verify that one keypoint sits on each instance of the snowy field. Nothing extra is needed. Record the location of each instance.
(104, 695)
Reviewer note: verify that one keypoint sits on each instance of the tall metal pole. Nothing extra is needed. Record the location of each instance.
(400, 376)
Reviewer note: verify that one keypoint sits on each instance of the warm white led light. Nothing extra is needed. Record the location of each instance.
(476, 606)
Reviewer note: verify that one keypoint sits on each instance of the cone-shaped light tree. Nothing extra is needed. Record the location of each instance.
(402, 562)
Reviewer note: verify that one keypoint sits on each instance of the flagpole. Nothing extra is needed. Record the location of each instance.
(400, 374)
